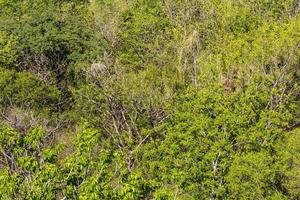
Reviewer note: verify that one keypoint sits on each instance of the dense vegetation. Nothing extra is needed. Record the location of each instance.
(149, 99)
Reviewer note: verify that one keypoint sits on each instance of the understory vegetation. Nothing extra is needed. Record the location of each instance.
(149, 99)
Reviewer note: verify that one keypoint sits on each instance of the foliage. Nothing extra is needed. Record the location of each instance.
(27, 91)
(149, 99)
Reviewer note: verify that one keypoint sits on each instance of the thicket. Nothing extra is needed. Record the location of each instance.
(149, 99)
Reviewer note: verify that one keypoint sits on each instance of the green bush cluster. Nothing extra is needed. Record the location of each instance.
(149, 99)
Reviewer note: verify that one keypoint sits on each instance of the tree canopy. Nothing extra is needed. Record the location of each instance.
(149, 99)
